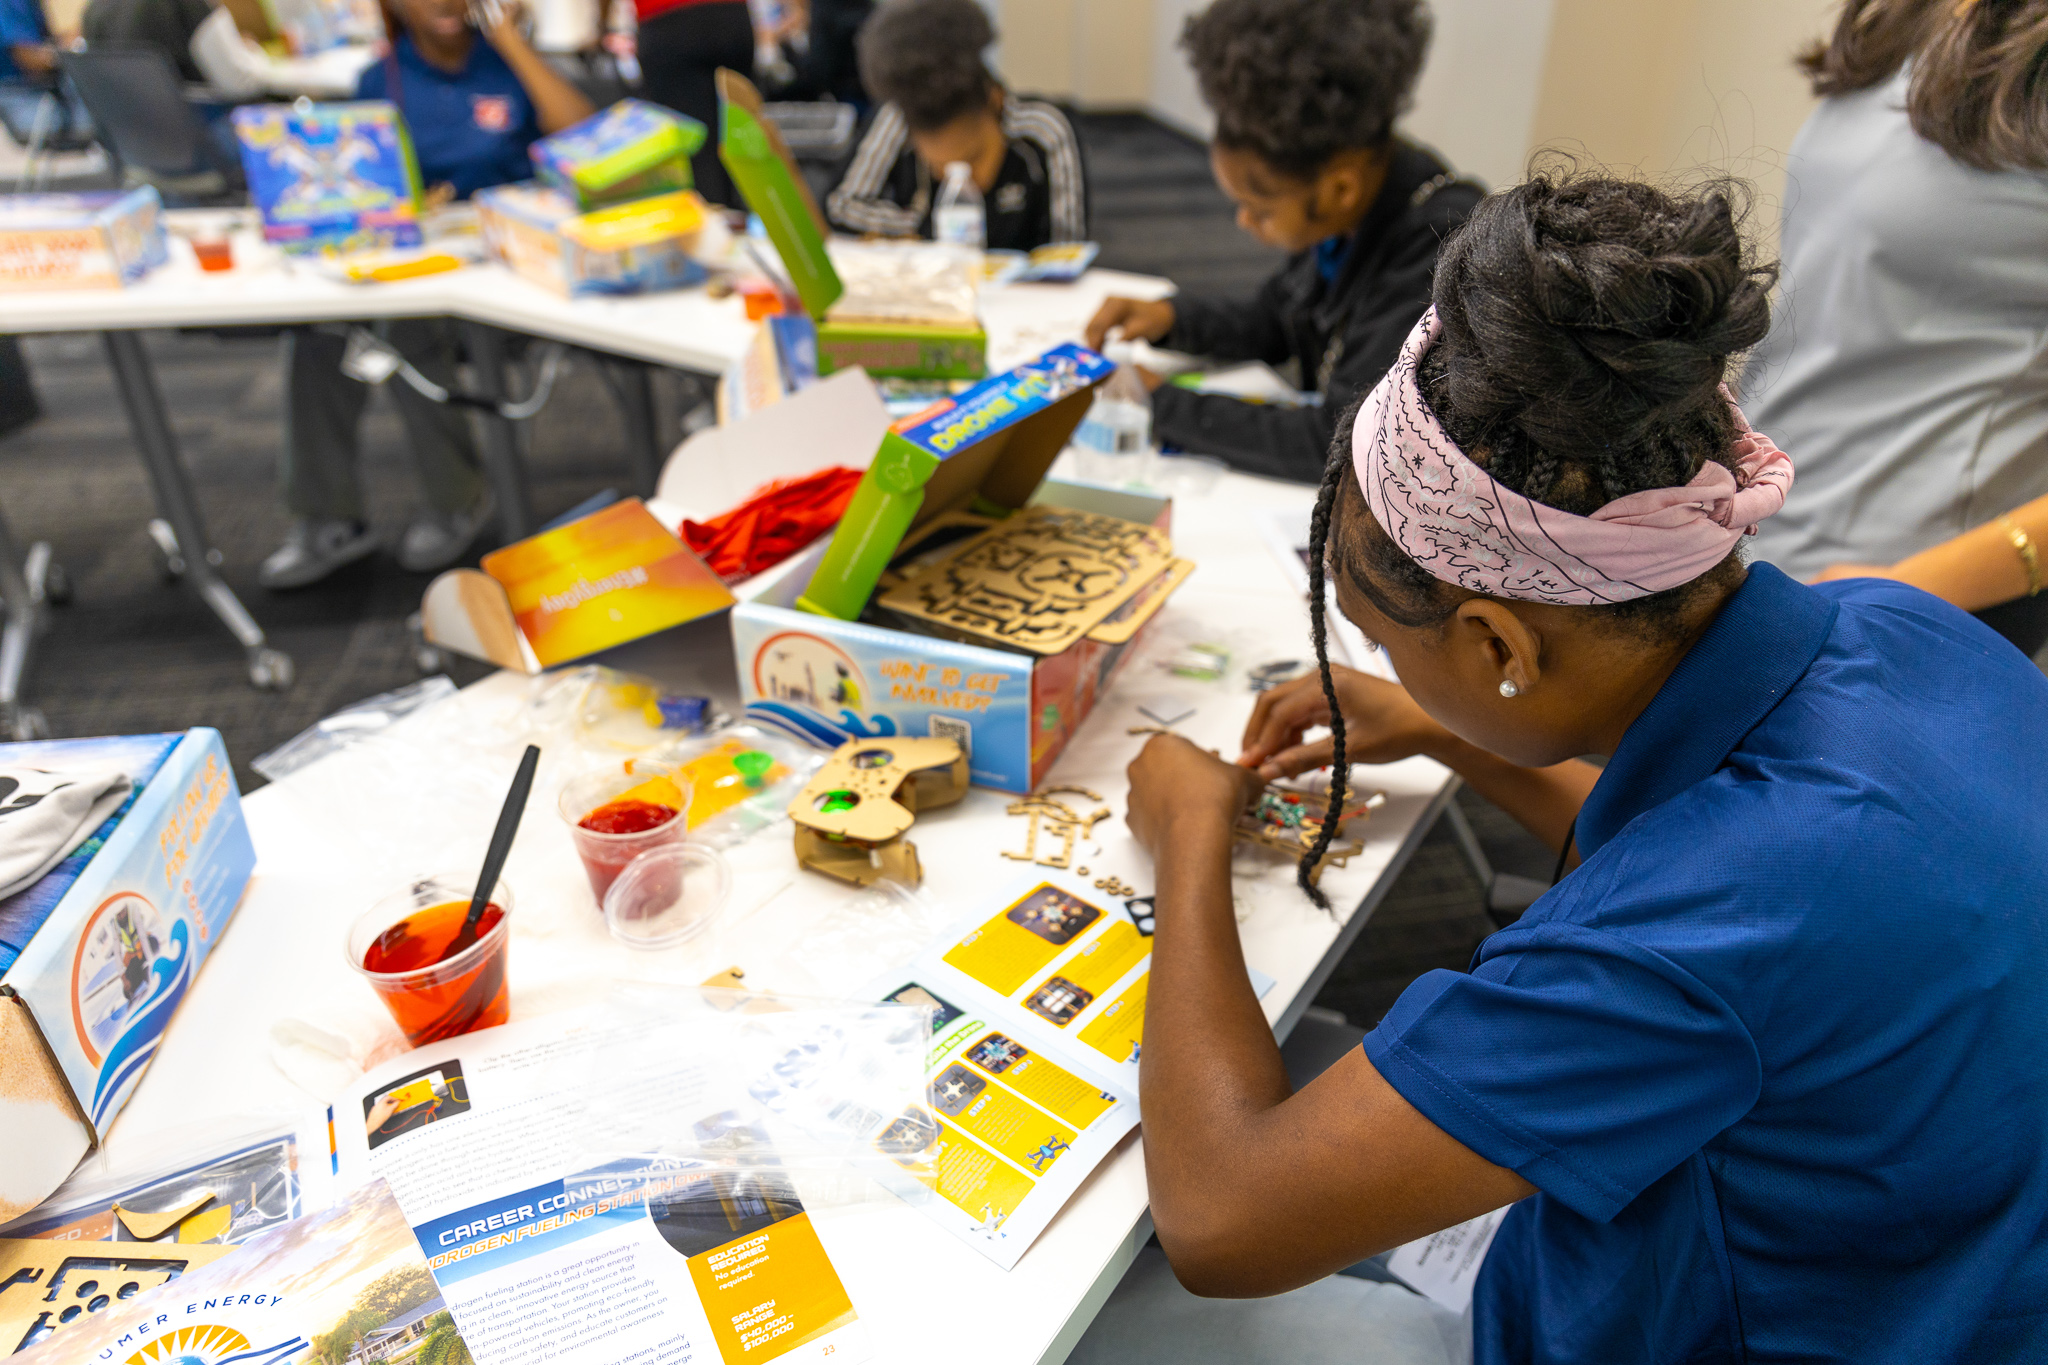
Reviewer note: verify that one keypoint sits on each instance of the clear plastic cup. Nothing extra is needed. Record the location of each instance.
(396, 943)
(667, 897)
(605, 855)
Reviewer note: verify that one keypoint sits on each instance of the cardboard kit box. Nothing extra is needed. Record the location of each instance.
(813, 665)
(80, 241)
(828, 681)
(632, 248)
(339, 177)
(628, 151)
(84, 1007)
(767, 176)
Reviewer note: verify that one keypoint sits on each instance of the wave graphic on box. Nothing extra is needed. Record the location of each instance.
(137, 1043)
(813, 728)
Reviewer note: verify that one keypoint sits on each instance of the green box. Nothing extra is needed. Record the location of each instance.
(986, 448)
(912, 350)
(760, 164)
(629, 151)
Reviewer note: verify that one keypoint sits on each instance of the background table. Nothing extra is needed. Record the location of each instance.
(686, 329)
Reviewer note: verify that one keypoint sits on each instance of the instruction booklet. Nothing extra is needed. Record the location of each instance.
(1038, 1001)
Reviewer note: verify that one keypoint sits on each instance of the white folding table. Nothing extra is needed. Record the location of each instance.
(339, 833)
(685, 329)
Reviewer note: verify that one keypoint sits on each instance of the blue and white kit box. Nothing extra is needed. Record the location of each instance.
(110, 966)
(828, 681)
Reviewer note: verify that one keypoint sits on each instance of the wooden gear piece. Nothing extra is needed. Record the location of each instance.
(851, 816)
(1045, 578)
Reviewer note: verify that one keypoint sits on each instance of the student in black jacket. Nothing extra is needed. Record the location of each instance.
(922, 60)
(1305, 94)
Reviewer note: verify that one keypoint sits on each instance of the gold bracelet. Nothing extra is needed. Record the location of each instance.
(2029, 554)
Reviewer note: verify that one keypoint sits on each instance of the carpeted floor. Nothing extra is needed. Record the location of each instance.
(133, 652)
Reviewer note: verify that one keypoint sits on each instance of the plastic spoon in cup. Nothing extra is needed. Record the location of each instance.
(501, 846)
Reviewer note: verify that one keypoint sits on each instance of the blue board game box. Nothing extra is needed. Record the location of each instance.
(117, 953)
(338, 177)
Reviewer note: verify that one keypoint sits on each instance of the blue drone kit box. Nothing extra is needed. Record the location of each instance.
(339, 177)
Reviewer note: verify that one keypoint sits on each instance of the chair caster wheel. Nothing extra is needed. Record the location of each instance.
(270, 669)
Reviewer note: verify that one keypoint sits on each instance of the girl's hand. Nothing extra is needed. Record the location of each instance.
(1382, 724)
(1179, 790)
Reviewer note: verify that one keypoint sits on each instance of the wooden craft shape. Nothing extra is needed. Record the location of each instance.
(47, 1284)
(1044, 578)
(1057, 820)
(147, 1227)
(851, 816)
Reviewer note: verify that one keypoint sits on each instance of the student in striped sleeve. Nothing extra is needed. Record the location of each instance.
(921, 61)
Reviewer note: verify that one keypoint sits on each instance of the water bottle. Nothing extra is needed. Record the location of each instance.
(1115, 437)
(959, 220)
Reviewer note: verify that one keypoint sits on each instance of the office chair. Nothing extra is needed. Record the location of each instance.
(145, 120)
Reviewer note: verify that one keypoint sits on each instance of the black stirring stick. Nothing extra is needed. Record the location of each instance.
(501, 846)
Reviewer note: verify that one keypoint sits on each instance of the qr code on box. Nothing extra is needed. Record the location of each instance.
(959, 731)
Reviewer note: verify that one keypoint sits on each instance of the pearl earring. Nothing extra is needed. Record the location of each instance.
(1508, 688)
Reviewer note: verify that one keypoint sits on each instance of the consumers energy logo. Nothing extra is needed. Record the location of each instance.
(211, 1344)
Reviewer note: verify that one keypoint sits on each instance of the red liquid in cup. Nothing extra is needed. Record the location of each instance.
(215, 255)
(442, 1006)
(631, 816)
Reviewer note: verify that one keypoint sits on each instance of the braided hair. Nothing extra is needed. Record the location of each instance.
(1588, 324)
(1335, 470)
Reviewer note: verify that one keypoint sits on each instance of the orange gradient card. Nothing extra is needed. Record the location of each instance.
(607, 578)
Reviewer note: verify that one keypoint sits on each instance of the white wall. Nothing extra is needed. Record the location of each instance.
(1174, 100)
(1476, 102)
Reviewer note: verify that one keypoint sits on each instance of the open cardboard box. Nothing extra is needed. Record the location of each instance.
(84, 1007)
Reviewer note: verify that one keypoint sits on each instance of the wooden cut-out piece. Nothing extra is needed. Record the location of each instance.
(47, 1285)
(1043, 579)
(147, 1227)
(1060, 821)
(851, 816)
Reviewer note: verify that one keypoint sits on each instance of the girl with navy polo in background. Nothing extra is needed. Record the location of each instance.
(1761, 1074)
(473, 103)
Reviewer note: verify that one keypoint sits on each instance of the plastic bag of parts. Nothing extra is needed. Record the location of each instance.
(743, 1079)
(741, 780)
(867, 935)
(624, 712)
(351, 725)
(222, 1184)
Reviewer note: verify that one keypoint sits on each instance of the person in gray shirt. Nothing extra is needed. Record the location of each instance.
(1907, 366)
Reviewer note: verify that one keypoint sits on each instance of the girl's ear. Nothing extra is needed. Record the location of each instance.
(1511, 650)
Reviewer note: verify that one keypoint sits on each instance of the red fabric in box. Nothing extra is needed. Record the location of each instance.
(777, 521)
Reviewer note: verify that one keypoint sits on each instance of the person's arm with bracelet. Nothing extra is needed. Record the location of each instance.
(1995, 563)
(556, 103)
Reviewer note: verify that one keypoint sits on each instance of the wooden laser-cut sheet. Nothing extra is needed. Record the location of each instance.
(48, 1285)
(1038, 581)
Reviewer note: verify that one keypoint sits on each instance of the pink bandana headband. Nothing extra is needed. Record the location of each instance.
(1450, 516)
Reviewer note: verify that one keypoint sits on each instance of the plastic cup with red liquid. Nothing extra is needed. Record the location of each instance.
(614, 816)
(401, 948)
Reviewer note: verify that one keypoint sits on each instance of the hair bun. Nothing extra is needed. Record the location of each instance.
(1585, 316)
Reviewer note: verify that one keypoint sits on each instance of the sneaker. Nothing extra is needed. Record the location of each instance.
(438, 539)
(313, 550)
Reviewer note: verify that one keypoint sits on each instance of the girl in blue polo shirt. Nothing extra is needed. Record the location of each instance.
(474, 101)
(1761, 1074)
